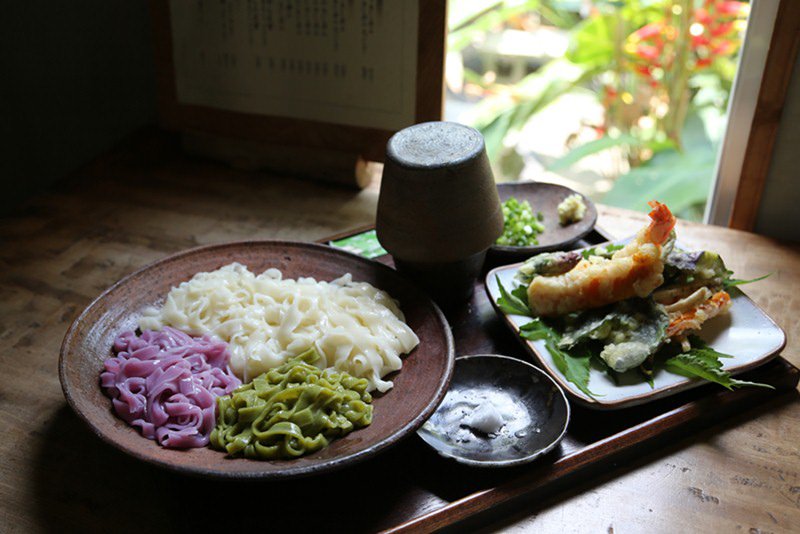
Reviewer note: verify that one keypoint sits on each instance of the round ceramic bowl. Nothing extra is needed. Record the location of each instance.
(418, 387)
(499, 411)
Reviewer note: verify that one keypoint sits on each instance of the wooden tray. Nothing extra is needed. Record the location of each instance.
(411, 488)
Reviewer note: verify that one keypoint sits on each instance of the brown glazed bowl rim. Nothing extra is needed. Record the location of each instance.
(435, 324)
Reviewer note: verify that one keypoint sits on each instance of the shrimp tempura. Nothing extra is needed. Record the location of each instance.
(633, 271)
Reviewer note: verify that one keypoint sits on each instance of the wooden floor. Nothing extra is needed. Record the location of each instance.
(145, 201)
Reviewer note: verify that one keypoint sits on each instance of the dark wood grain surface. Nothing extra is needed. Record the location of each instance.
(145, 201)
(594, 438)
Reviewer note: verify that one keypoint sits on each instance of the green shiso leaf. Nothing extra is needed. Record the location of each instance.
(513, 303)
(521, 293)
(574, 365)
(704, 362)
(730, 282)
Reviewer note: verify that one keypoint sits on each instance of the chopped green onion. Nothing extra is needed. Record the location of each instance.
(520, 225)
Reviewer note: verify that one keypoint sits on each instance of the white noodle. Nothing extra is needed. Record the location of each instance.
(266, 320)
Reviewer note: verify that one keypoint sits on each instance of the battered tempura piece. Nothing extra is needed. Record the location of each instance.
(633, 271)
(684, 321)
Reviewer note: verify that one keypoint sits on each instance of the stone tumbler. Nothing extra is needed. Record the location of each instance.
(438, 210)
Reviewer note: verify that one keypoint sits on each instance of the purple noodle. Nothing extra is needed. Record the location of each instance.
(166, 384)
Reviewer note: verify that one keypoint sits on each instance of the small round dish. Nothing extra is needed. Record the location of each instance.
(544, 198)
(533, 409)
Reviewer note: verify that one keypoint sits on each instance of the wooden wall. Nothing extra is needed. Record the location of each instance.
(77, 77)
(779, 213)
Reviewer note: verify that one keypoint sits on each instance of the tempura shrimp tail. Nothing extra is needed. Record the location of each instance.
(662, 223)
(633, 271)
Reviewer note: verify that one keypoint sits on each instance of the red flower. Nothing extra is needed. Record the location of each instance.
(723, 48)
(702, 16)
(730, 8)
(721, 29)
(648, 31)
(647, 52)
(703, 62)
(700, 40)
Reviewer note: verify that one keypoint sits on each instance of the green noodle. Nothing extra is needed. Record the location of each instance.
(292, 410)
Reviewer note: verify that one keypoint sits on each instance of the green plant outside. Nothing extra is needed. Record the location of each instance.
(662, 69)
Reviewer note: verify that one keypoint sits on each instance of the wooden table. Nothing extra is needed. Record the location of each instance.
(145, 200)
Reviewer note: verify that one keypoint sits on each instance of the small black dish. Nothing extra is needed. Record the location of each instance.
(534, 410)
(544, 198)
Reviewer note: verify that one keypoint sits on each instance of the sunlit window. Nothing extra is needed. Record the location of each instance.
(624, 101)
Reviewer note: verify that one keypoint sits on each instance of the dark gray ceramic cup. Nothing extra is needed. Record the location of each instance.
(438, 210)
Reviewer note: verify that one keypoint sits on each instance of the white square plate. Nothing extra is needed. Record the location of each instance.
(745, 332)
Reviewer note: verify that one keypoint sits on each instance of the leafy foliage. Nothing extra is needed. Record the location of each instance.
(731, 282)
(592, 42)
(592, 147)
(499, 116)
(704, 362)
(680, 179)
(513, 303)
(638, 319)
(573, 364)
(655, 66)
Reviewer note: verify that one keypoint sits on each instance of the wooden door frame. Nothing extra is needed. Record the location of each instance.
(778, 70)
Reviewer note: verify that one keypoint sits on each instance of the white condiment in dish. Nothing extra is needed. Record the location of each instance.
(486, 418)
